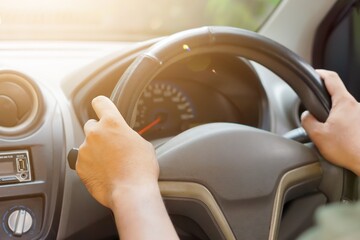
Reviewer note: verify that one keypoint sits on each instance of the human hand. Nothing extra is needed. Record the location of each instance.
(338, 139)
(113, 157)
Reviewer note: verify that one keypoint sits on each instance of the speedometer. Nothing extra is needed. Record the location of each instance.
(163, 110)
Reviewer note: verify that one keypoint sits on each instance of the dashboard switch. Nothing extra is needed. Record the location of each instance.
(20, 222)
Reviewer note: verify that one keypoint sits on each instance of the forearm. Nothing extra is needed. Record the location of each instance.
(140, 214)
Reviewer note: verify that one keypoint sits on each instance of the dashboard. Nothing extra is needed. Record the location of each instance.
(46, 90)
(42, 114)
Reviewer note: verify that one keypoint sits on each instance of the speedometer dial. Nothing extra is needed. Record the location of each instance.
(163, 110)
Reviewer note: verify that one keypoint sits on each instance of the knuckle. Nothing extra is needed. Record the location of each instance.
(92, 134)
(89, 124)
(316, 133)
(110, 121)
(332, 74)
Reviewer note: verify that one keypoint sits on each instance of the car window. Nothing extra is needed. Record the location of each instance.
(124, 19)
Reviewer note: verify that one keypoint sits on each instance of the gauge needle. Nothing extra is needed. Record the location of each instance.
(149, 126)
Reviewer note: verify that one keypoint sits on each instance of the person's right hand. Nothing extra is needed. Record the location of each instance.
(338, 139)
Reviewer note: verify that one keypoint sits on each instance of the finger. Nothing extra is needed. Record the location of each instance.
(334, 84)
(311, 125)
(89, 125)
(103, 106)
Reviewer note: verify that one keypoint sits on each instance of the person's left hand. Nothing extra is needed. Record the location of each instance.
(114, 157)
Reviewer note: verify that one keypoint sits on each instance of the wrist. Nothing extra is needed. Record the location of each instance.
(140, 213)
(133, 193)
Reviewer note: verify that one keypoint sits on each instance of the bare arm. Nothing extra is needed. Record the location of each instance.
(338, 139)
(120, 170)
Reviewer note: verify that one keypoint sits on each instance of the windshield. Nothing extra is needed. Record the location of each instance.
(123, 19)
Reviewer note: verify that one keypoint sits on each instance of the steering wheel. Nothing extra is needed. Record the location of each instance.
(234, 180)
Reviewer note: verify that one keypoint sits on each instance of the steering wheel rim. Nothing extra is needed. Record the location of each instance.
(301, 77)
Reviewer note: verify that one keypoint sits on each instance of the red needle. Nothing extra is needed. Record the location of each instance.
(149, 126)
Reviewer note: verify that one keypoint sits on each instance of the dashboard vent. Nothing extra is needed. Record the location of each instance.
(20, 103)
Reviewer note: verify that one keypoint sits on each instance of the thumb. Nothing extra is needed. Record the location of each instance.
(311, 125)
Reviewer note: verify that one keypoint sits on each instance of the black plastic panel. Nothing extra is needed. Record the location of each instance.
(192, 219)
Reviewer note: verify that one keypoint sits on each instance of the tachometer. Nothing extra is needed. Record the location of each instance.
(163, 110)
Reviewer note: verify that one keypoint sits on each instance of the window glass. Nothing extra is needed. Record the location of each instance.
(124, 19)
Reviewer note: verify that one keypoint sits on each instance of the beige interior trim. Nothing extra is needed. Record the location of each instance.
(201, 193)
(289, 179)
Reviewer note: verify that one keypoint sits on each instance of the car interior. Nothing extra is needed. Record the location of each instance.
(218, 88)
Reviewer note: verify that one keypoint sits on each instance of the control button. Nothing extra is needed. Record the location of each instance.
(23, 176)
(20, 222)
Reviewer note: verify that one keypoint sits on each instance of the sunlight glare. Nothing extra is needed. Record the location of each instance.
(186, 47)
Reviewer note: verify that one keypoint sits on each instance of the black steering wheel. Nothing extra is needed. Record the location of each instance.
(230, 180)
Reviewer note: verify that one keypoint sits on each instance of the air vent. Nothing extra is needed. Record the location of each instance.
(20, 103)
